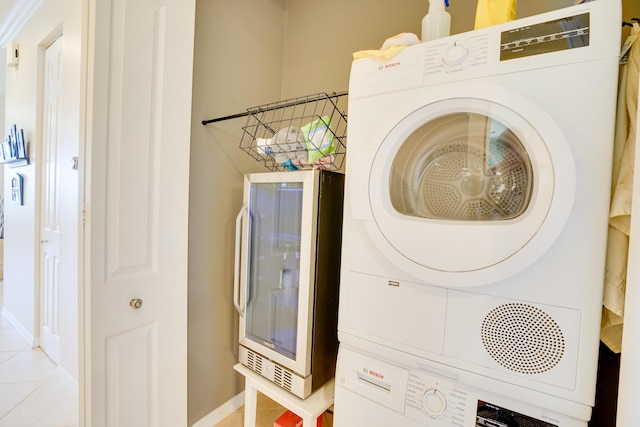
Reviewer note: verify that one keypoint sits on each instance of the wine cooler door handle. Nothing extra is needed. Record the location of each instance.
(236, 266)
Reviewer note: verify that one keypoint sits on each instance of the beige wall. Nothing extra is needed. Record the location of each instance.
(238, 59)
(630, 9)
(321, 36)
(250, 52)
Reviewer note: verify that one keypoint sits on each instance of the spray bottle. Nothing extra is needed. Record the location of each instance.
(437, 21)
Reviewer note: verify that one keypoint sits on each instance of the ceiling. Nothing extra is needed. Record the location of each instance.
(5, 7)
(9, 11)
(13, 15)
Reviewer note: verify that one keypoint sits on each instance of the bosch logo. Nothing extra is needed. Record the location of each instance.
(376, 374)
(387, 66)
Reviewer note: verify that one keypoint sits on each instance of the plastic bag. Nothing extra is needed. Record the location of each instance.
(319, 138)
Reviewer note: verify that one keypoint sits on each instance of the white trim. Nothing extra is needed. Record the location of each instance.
(28, 337)
(17, 18)
(221, 412)
(67, 380)
(629, 385)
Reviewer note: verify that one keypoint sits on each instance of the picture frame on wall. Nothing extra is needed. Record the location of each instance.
(22, 147)
(14, 149)
(16, 189)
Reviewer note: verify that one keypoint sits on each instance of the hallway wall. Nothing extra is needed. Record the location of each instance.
(22, 246)
(3, 67)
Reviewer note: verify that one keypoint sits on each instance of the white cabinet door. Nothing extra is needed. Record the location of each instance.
(139, 68)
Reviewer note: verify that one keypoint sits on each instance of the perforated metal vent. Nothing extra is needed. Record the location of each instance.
(271, 371)
(254, 362)
(523, 338)
(282, 378)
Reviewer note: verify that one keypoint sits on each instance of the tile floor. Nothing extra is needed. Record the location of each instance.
(267, 412)
(31, 393)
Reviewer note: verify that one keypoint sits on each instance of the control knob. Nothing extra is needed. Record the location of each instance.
(434, 401)
(455, 54)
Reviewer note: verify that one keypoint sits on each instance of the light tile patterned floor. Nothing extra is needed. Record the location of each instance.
(31, 394)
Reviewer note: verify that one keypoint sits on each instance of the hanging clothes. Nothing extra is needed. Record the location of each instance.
(621, 194)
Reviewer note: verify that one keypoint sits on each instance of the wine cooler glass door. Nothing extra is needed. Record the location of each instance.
(274, 271)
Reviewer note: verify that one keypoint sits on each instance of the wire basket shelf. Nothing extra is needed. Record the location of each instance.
(299, 133)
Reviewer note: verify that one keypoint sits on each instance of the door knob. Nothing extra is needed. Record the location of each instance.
(44, 241)
(135, 303)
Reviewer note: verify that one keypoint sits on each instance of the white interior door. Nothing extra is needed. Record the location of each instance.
(50, 216)
(140, 60)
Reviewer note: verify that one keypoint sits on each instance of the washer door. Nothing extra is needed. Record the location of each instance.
(466, 191)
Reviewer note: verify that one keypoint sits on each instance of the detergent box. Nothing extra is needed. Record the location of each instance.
(289, 419)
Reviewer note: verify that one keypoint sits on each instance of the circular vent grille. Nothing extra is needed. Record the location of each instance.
(522, 338)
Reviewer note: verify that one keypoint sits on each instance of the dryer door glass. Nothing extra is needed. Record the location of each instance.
(461, 166)
(463, 191)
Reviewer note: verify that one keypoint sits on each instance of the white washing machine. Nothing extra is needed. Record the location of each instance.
(476, 205)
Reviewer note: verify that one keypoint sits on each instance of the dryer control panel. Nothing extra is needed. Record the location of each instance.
(570, 35)
(482, 51)
(469, 50)
(570, 32)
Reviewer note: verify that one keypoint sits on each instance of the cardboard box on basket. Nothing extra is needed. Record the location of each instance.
(289, 419)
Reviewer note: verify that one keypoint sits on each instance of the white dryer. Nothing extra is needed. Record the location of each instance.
(476, 205)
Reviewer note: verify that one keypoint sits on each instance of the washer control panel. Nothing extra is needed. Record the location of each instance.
(438, 402)
(433, 395)
(434, 401)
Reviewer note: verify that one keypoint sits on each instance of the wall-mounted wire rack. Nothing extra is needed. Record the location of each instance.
(298, 133)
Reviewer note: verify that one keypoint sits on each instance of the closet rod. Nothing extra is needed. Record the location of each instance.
(289, 104)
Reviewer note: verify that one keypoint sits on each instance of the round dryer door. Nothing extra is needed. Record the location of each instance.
(466, 192)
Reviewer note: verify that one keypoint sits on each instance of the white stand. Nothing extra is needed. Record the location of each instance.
(308, 409)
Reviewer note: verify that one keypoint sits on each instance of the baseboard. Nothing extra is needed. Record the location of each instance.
(67, 380)
(221, 412)
(29, 338)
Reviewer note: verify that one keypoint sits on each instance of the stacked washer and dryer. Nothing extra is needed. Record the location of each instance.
(475, 222)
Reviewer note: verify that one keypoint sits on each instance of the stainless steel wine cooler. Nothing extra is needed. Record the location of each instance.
(287, 273)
